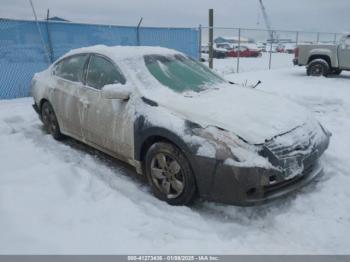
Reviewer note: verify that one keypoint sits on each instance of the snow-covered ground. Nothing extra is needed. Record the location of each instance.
(64, 197)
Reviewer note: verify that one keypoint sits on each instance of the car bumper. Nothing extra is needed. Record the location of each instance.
(247, 186)
(295, 61)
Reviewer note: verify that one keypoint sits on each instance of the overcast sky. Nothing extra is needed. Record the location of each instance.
(314, 15)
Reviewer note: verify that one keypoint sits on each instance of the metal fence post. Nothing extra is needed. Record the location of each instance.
(49, 37)
(318, 37)
(239, 48)
(46, 52)
(270, 57)
(211, 24)
(335, 38)
(200, 41)
(297, 38)
(138, 32)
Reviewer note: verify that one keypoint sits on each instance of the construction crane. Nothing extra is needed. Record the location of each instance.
(267, 21)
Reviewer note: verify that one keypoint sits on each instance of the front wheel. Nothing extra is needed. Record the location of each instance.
(49, 119)
(169, 174)
(318, 67)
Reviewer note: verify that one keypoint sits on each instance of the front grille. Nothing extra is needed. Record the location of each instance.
(272, 188)
(293, 143)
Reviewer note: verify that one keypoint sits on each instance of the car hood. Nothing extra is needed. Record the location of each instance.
(254, 115)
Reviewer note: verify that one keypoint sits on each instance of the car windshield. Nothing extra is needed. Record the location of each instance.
(181, 73)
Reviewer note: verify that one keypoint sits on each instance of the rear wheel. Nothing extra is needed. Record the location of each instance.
(169, 174)
(318, 67)
(49, 119)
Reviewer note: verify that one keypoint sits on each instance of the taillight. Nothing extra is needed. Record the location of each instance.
(296, 52)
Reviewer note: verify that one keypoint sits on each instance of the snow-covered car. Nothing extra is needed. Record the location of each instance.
(243, 51)
(191, 132)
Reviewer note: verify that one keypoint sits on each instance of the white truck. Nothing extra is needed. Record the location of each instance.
(324, 59)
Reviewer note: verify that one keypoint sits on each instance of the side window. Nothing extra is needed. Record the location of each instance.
(102, 72)
(71, 68)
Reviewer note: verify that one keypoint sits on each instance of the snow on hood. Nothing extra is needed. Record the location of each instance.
(251, 114)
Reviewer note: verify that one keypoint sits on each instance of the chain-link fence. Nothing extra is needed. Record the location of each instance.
(241, 49)
(27, 47)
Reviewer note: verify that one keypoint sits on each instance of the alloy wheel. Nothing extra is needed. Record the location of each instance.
(167, 175)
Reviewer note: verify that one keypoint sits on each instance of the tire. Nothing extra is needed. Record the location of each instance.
(336, 71)
(169, 174)
(318, 67)
(49, 119)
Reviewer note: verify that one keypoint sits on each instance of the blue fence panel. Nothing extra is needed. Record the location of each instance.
(27, 47)
(65, 36)
(21, 55)
(181, 39)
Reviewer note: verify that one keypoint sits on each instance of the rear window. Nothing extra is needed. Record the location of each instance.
(71, 68)
(102, 72)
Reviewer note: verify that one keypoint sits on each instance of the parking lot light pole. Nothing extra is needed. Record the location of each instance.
(211, 24)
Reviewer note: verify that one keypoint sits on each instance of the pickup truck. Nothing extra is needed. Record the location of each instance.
(324, 59)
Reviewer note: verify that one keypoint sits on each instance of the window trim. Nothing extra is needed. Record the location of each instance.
(68, 57)
(87, 65)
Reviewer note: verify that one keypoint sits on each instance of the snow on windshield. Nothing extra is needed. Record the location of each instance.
(181, 73)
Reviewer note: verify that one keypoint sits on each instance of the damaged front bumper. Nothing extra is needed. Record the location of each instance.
(247, 186)
(250, 185)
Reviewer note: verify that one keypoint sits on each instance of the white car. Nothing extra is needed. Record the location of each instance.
(189, 130)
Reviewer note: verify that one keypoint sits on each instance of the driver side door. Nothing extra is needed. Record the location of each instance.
(106, 122)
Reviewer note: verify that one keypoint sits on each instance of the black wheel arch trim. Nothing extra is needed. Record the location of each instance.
(145, 131)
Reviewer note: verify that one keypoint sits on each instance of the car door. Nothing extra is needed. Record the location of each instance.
(107, 123)
(344, 54)
(65, 99)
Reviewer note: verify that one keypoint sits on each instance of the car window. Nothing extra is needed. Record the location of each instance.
(102, 72)
(71, 68)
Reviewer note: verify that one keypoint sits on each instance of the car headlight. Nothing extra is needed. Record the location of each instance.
(231, 149)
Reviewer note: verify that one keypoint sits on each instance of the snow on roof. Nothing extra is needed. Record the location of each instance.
(123, 52)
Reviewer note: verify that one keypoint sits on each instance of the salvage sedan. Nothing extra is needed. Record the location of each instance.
(191, 132)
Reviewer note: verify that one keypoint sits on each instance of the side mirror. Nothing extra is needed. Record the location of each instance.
(116, 91)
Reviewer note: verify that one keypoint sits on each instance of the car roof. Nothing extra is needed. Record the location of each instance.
(123, 52)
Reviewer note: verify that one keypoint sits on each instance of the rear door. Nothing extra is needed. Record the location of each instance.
(106, 122)
(344, 54)
(68, 79)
